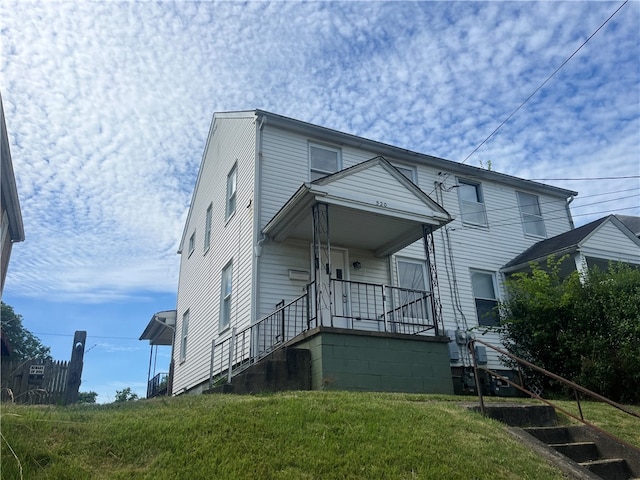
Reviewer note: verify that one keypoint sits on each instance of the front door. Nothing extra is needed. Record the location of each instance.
(334, 295)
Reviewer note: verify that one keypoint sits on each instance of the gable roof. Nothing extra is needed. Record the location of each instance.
(566, 242)
(384, 220)
(632, 223)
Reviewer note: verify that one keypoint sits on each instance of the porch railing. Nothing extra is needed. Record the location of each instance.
(158, 385)
(347, 304)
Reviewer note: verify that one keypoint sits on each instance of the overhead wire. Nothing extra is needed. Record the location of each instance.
(543, 83)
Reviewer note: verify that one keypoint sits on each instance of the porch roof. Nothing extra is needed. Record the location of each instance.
(372, 206)
(160, 328)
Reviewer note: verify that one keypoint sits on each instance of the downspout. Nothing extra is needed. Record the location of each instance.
(258, 239)
(569, 200)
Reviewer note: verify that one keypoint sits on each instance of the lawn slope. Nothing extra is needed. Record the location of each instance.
(294, 435)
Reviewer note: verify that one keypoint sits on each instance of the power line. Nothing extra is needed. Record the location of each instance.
(88, 336)
(543, 84)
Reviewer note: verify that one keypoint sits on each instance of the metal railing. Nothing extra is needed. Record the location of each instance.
(347, 304)
(158, 385)
(574, 387)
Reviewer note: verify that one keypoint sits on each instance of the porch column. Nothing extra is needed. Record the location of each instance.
(430, 253)
(322, 260)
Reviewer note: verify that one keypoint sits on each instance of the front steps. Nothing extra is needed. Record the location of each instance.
(579, 450)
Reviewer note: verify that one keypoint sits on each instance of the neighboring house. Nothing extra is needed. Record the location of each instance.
(12, 228)
(608, 239)
(369, 256)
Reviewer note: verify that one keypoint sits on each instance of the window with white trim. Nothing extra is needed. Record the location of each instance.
(183, 336)
(532, 221)
(192, 243)
(232, 187)
(484, 293)
(410, 301)
(226, 295)
(207, 227)
(323, 161)
(472, 206)
(412, 274)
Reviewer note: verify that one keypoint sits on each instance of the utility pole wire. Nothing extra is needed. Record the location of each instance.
(543, 84)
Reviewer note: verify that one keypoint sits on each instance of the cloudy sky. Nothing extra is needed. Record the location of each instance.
(108, 106)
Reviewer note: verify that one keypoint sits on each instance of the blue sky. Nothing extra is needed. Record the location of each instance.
(108, 105)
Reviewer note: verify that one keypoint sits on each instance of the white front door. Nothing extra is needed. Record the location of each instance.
(334, 296)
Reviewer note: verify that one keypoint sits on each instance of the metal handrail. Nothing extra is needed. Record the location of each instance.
(574, 386)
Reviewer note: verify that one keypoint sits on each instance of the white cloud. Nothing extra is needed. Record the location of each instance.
(108, 106)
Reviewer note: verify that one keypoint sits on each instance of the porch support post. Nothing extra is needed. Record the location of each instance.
(322, 259)
(436, 304)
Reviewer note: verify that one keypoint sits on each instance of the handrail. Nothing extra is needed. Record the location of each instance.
(574, 386)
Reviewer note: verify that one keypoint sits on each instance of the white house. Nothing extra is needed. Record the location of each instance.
(368, 256)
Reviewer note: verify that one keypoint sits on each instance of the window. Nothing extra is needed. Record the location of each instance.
(225, 296)
(471, 203)
(232, 186)
(484, 293)
(323, 161)
(412, 274)
(532, 221)
(192, 242)
(407, 171)
(207, 228)
(183, 337)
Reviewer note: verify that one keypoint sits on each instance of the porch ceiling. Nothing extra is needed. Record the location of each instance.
(160, 328)
(383, 221)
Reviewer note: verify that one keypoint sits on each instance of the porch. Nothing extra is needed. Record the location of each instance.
(361, 336)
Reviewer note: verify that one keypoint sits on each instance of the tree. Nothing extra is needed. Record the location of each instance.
(585, 329)
(87, 397)
(125, 395)
(24, 345)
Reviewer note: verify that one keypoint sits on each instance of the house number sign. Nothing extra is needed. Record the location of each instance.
(380, 204)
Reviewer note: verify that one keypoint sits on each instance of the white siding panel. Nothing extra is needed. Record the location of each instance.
(608, 242)
(200, 274)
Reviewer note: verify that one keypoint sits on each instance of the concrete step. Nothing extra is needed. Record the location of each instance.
(578, 451)
(519, 415)
(609, 468)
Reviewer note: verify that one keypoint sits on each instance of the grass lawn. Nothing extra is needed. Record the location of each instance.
(292, 435)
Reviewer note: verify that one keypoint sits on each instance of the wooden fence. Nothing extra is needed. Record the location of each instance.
(34, 381)
(38, 381)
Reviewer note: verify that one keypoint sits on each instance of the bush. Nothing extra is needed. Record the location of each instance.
(584, 329)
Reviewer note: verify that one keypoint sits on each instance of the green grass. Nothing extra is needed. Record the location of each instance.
(294, 435)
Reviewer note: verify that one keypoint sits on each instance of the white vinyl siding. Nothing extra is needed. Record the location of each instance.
(207, 227)
(472, 203)
(323, 161)
(484, 293)
(532, 221)
(183, 336)
(232, 186)
(226, 295)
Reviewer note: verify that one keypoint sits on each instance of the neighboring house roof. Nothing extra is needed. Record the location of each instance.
(632, 223)
(567, 242)
(160, 328)
(10, 201)
(388, 151)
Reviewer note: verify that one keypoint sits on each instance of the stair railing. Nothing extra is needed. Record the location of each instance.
(577, 389)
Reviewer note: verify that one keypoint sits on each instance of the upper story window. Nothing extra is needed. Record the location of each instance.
(225, 296)
(183, 336)
(192, 242)
(471, 203)
(484, 293)
(532, 221)
(232, 186)
(207, 228)
(323, 161)
(407, 171)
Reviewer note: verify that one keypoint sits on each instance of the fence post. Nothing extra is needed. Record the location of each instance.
(75, 367)
(383, 288)
(472, 352)
(232, 343)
